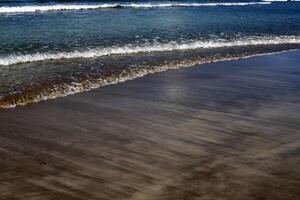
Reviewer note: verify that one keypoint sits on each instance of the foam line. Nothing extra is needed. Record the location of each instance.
(45, 8)
(275, 0)
(155, 47)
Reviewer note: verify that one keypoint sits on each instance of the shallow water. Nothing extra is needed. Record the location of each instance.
(50, 42)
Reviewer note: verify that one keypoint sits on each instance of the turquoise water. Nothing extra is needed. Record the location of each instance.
(50, 41)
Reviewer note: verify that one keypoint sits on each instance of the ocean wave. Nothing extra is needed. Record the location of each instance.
(44, 8)
(155, 47)
(270, 1)
(276, 0)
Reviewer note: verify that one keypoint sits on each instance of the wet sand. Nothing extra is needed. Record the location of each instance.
(228, 130)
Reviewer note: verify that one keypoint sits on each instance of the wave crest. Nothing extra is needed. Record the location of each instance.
(45, 8)
(156, 47)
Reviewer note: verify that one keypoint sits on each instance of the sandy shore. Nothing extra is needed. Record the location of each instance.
(229, 130)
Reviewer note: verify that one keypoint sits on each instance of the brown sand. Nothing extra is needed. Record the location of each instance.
(229, 130)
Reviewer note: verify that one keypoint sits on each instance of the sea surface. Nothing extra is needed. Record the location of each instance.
(50, 48)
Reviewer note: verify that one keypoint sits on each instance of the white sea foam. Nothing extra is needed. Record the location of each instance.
(275, 0)
(44, 8)
(155, 47)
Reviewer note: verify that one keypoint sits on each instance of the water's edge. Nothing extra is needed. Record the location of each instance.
(46, 91)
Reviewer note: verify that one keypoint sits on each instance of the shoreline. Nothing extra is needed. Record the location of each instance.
(48, 91)
(225, 130)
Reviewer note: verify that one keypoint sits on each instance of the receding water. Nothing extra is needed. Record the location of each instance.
(43, 43)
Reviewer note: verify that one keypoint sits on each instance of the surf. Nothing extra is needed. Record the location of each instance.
(66, 7)
(154, 47)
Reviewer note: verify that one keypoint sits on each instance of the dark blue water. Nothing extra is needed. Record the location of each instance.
(34, 33)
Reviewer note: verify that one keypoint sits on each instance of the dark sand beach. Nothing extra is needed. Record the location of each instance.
(228, 130)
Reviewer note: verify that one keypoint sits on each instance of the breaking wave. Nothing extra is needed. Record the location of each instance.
(45, 8)
(275, 0)
(270, 1)
(155, 47)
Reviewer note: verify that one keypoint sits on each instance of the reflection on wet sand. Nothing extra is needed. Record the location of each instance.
(228, 130)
